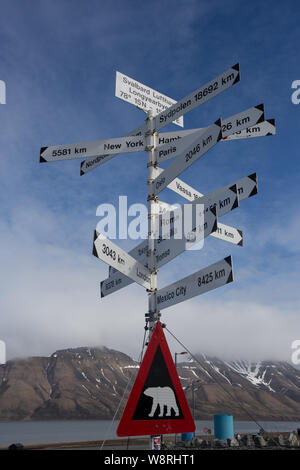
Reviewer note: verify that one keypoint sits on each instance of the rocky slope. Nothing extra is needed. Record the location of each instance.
(88, 383)
(264, 390)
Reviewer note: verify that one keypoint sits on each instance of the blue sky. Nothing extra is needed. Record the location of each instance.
(58, 60)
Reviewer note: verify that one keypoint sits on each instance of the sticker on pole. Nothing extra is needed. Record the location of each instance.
(157, 404)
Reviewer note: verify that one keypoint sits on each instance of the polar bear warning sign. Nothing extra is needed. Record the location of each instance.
(157, 404)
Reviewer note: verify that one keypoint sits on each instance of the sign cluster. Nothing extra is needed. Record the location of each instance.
(184, 148)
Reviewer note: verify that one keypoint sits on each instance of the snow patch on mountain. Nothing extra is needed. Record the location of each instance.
(254, 373)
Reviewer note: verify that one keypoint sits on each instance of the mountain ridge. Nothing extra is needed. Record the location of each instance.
(88, 383)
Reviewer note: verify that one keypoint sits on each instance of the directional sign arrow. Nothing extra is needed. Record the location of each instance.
(223, 232)
(262, 129)
(89, 149)
(190, 149)
(171, 144)
(92, 163)
(167, 249)
(113, 255)
(242, 120)
(228, 234)
(142, 96)
(209, 278)
(247, 187)
(224, 200)
(198, 97)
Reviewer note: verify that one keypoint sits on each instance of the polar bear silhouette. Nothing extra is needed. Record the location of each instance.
(162, 396)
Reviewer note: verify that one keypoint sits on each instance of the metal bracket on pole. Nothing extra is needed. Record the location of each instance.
(151, 319)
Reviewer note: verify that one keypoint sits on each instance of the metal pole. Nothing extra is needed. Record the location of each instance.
(193, 389)
(152, 315)
(175, 437)
(153, 212)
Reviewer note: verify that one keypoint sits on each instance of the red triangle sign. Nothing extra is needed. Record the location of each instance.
(157, 404)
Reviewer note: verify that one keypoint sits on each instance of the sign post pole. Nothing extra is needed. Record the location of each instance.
(153, 223)
(152, 316)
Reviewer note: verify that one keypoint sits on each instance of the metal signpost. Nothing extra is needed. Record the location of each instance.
(166, 240)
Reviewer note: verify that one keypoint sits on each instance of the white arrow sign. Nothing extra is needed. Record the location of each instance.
(167, 249)
(92, 163)
(224, 200)
(215, 275)
(198, 97)
(228, 234)
(247, 187)
(262, 129)
(242, 120)
(89, 149)
(142, 96)
(223, 232)
(190, 149)
(113, 255)
(170, 144)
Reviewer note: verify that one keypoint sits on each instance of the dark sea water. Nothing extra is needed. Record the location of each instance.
(66, 431)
